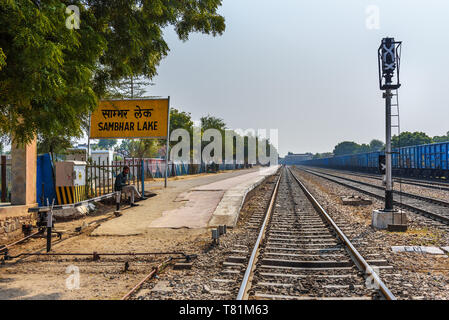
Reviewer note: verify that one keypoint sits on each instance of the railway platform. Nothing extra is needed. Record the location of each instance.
(200, 202)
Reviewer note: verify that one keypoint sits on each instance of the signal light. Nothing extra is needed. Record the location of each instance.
(389, 61)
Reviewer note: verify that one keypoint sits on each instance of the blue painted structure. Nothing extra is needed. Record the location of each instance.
(428, 161)
(45, 174)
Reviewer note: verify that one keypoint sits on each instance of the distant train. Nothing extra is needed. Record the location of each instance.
(425, 161)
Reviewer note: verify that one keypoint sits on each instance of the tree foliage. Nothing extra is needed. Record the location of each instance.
(210, 122)
(180, 120)
(54, 144)
(407, 138)
(130, 87)
(106, 144)
(376, 145)
(52, 76)
(441, 138)
(346, 147)
(46, 84)
(139, 148)
(322, 155)
(350, 147)
(2, 59)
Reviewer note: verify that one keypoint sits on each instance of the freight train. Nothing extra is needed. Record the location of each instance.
(424, 161)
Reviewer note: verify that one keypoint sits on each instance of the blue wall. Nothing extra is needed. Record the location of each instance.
(45, 175)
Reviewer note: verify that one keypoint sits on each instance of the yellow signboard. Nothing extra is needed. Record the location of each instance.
(140, 118)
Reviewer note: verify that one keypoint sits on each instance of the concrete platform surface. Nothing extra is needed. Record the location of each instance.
(213, 204)
(228, 210)
(187, 202)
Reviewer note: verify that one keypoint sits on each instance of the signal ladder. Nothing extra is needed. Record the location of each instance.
(397, 124)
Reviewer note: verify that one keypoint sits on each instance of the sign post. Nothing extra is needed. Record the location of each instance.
(167, 148)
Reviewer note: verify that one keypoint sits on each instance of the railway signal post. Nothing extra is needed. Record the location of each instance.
(389, 63)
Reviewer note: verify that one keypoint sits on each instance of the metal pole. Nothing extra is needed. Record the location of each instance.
(388, 173)
(104, 181)
(88, 138)
(167, 153)
(49, 225)
(142, 175)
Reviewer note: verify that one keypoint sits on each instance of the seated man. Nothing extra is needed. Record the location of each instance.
(122, 185)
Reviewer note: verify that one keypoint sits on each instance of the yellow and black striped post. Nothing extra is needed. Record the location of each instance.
(74, 194)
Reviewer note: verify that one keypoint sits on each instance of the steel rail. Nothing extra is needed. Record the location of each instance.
(246, 283)
(405, 194)
(4, 248)
(434, 216)
(7, 246)
(147, 277)
(426, 183)
(360, 261)
(96, 255)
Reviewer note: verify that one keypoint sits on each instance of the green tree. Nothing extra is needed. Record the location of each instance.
(52, 76)
(106, 143)
(130, 87)
(56, 143)
(180, 120)
(322, 155)
(346, 147)
(376, 145)
(441, 138)
(407, 138)
(2, 59)
(139, 148)
(46, 83)
(210, 122)
(363, 148)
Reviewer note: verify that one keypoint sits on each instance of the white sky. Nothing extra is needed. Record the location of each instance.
(309, 69)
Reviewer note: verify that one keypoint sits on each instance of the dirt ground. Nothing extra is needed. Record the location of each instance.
(55, 277)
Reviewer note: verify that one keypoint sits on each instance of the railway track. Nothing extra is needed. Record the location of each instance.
(415, 182)
(432, 208)
(301, 253)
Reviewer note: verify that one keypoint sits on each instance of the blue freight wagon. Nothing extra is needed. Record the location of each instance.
(425, 161)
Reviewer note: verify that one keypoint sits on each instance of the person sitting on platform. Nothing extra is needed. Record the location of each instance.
(122, 185)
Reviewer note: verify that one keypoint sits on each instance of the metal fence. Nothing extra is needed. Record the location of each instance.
(101, 176)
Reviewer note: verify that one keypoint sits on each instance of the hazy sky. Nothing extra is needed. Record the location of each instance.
(309, 69)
